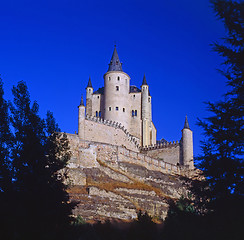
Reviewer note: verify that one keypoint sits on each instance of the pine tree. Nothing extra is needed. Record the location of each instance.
(5, 167)
(222, 159)
(5, 141)
(39, 154)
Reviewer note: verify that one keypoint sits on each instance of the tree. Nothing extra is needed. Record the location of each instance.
(222, 159)
(39, 154)
(5, 141)
(5, 166)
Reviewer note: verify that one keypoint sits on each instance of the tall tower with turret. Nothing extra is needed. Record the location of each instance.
(89, 92)
(145, 113)
(187, 145)
(81, 119)
(116, 92)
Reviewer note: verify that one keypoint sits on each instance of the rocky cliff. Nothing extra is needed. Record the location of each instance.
(108, 182)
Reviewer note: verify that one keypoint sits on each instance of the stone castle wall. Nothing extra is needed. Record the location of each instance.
(109, 132)
(170, 153)
(86, 154)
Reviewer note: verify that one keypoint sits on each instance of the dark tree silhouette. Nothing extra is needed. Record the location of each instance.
(40, 152)
(5, 142)
(222, 158)
(5, 166)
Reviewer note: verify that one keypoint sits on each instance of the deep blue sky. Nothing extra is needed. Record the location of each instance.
(56, 45)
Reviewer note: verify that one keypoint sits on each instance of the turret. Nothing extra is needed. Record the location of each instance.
(89, 93)
(116, 92)
(146, 113)
(187, 146)
(81, 119)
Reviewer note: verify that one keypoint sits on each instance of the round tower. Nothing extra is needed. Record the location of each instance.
(89, 93)
(145, 113)
(81, 119)
(187, 146)
(116, 92)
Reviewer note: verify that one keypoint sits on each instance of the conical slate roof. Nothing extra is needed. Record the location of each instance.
(115, 64)
(89, 83)
(186, 125)
(81, 101)
(144, 82)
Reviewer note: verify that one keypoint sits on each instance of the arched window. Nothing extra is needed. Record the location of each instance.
(117, 88)
(123, 109)
(117, 108)
(109, 109)
(135, 112)
(149, 99)
(118, 78)
(109, 78)
(96, 113)
(132, 113)
(100, 114)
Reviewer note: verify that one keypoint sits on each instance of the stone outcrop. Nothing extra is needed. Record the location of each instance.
(109, 181)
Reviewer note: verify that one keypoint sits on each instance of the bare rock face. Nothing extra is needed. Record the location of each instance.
(119, 190)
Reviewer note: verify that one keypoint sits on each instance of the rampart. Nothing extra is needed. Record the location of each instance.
(88, 154)
(169, 152)
(110, 132)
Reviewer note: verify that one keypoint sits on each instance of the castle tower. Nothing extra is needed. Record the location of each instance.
(116, 92)
(81, 119)
(187, 146)
(146, 114)
(89, 92)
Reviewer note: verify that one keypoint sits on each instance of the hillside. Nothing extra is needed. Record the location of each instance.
(110, 188)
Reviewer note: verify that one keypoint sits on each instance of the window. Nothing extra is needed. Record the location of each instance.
(123, 109)
(117, 108)
(100, 114)
(149, 99)
(118, 78)
(96, 113)
(109, 109)
(117, 88)
(109, 78)
(89, 90)
(97, 96)
(134, 113)
(134, 96)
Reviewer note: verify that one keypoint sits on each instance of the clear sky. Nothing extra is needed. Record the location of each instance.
(54, 46)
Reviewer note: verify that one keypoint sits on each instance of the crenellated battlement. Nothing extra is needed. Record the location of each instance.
(115, 125)
(161, 145)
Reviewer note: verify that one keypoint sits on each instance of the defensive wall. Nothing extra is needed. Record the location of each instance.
(107, 131)
(89, 154)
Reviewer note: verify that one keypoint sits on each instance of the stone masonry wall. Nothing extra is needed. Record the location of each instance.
(171, 154)
(86, 154)
(99, 130)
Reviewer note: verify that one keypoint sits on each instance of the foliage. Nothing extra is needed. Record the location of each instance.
(5, 164)
(5, 142)
(33, 158)
(222, 158)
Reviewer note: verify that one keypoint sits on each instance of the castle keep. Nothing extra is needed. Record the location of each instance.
(121, 115)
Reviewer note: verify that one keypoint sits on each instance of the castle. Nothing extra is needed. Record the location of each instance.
(119, 114)
(117, 166)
